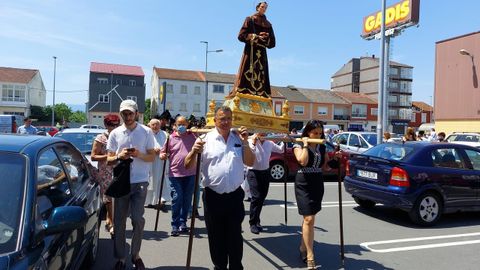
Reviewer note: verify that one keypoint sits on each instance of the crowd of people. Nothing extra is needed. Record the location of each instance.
(225, 152)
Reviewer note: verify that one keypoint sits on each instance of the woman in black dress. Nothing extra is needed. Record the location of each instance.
(309, 185)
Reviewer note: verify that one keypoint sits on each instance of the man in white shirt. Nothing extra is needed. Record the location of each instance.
(259, 176)
(224, 152)
(131, 140)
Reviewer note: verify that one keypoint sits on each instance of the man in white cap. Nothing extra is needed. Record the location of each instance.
(135, 141)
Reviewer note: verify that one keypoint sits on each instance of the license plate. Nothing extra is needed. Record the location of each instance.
(367, 174)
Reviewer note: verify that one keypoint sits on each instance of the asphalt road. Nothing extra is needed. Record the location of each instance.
(382, 238)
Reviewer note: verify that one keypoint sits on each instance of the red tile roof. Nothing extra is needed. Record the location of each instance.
(356, 98)
(16, 75)
(422, 106)
(181, 75)
(116, 69)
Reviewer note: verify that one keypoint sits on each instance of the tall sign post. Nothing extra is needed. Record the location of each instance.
(383, 25)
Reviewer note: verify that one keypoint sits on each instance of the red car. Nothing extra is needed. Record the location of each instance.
(278, 169)
(48, 129)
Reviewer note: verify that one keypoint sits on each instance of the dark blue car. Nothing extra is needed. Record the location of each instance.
(425, 179)
(49, 205)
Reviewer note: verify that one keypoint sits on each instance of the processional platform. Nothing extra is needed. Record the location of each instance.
(254, 112)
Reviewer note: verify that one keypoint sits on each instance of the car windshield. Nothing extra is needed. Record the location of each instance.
(371, 138)
(83, 141)
(12, 166)
(391, 151)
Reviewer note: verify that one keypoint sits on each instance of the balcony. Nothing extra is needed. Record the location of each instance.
(341, 117)
(359, 115)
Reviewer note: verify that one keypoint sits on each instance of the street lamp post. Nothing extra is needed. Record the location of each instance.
(206, 70)
(54, 74)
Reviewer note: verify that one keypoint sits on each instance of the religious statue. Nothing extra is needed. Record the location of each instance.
(257, 33)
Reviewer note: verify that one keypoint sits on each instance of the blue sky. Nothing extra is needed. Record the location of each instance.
(314, 38)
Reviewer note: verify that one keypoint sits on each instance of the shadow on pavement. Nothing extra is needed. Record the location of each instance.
(401, 218)
(177, 267)
(285, 248)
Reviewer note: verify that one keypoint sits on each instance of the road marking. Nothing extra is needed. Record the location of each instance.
(324, 204)
(292, 184)
(367, 245)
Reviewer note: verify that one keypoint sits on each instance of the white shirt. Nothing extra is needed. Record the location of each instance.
(142, 139)
(222, 162)
(262, 152)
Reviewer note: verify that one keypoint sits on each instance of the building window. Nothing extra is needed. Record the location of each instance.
(298, 109)
(230, 87)
(359, 110)
(118, 81)
(392, 99)
(15, 113)
(374, 111)
(183, 107)
(102, 98)
(406, 73)
(102, 80)
(424, 117)
(322, 110)
(393, 71)
(196, 90)
(183, 89)
(134, 98)
(15, 93)
(393, 113)
(278, 109)
(217, 88)
(393, 85)
(169, 88)
(132, 83)
(196, 107)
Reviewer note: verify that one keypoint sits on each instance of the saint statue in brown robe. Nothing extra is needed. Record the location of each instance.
(257, 33)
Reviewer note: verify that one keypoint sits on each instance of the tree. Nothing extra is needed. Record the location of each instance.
(78, 117)
(147, 115)
(62, 112)
(38, 113)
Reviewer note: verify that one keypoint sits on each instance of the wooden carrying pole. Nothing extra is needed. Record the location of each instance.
(161, 183)
(192, 220)
(340, 210)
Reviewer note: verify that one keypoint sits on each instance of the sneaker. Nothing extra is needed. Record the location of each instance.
(138, 264)
(254, 229)
(183, 228)
(119, 265)
(175, 232)
(260, 228)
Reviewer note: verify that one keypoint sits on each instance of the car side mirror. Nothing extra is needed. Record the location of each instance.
(65, 218)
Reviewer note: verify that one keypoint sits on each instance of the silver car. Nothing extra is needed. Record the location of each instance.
(355, 142)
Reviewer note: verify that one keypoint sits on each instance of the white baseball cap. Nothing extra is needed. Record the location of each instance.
(128, 104)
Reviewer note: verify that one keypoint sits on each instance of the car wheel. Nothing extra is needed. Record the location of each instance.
(277, 171)
(427, 209)
(367, 204)
(93, 249)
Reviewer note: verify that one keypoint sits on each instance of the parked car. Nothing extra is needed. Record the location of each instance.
(49, 212)
(422, 178)
(48, 129)
(355, 142)
(467, 138)
(88, 126)
(82, 138)
(283, 165)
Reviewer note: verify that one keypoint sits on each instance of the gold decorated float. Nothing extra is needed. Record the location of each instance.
(254, 112)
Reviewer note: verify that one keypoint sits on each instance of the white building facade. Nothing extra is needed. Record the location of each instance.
(21, 88)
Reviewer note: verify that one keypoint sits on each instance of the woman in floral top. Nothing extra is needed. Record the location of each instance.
(99, 153)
